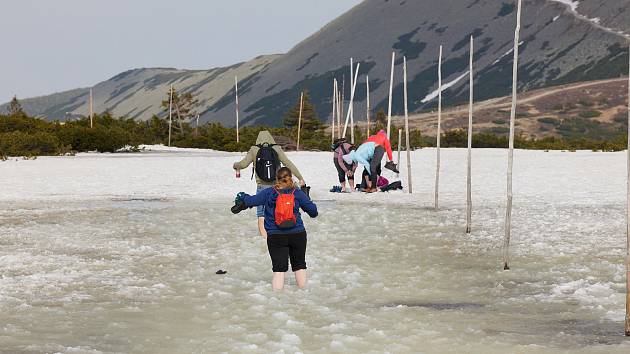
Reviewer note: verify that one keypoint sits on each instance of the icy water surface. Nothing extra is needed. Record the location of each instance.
(138, 275)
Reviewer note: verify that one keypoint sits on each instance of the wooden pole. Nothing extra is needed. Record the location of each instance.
(469, 169)
(236, 94)
(91, 110)
(628, 223)
(391, 90)
(334, 109)
(300, 120)
(354, 86)
(367, 89)
(170, 115)
(407, 126)
(508, 212)
(399, 146)
(351, 106)
(339, 111)
(439, 133)
(343, 95)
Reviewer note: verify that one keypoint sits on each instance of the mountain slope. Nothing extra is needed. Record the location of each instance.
(138, 93)
(594, 109)
(563, 42)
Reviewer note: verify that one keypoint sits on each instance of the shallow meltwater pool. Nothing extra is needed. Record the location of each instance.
(138, 275)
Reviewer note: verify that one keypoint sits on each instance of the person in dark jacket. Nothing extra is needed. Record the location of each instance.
(264, 137)
(283, 242)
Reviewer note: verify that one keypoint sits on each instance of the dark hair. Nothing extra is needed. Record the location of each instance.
(284, 178)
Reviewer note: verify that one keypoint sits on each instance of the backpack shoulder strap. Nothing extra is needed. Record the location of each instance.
(343, 149)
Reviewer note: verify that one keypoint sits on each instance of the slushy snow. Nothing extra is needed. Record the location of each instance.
(109, 253)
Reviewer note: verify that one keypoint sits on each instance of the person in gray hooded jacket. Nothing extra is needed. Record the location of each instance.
(264, 137)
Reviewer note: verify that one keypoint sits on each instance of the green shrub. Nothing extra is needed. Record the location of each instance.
(20, 143)
(551, 121)
(590, 114)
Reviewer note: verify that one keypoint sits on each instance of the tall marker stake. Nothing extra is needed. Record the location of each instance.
(508, 212)
(91, 110)
(439, 132)
(399, 145)
(407, 126)
(339, 111)
(343, 95)
(300, 120)
(391, 88)
(628, 223)
(236, 94)
(351, 106)
(469, 169)
(354, 86)
(170, 115)
(334, 108)
(367, 89)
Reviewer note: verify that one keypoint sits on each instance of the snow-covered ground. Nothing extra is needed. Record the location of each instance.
(117, 253)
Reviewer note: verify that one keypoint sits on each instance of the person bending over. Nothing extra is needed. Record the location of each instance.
(344, 170)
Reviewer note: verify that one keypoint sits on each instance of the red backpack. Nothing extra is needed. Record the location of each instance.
(285, 218)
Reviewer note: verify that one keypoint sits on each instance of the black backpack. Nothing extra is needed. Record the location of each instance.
(267, 162)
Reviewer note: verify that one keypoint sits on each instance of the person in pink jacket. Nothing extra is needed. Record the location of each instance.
(381, 139)
(345, 171)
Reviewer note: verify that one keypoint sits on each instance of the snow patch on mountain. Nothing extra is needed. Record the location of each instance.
(573, 5)
(446, 86)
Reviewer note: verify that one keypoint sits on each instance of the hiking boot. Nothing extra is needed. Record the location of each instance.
(390, 165)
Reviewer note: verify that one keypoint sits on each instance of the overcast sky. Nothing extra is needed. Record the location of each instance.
(51, 46)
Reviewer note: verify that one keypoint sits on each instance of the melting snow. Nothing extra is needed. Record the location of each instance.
(118, 253)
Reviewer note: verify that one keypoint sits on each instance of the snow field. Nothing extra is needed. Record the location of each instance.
(117, 253)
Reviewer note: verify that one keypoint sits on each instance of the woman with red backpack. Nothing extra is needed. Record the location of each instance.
(286, 235)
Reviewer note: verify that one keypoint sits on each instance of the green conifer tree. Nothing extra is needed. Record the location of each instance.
(310, 121)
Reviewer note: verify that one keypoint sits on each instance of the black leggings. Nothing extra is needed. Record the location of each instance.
(284, 246)
(342, 173)
(375, 165)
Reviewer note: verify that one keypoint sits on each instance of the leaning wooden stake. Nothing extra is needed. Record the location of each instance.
(407, 126)
(351, 106)
(439, 133)
(91, 110)
(334, 108)
(367, 89)
(391, 88)
(170, 115)
(628, 223)
(354, 86)
(508, 212)
(236, 94)
(300, 120)
(469, 169)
